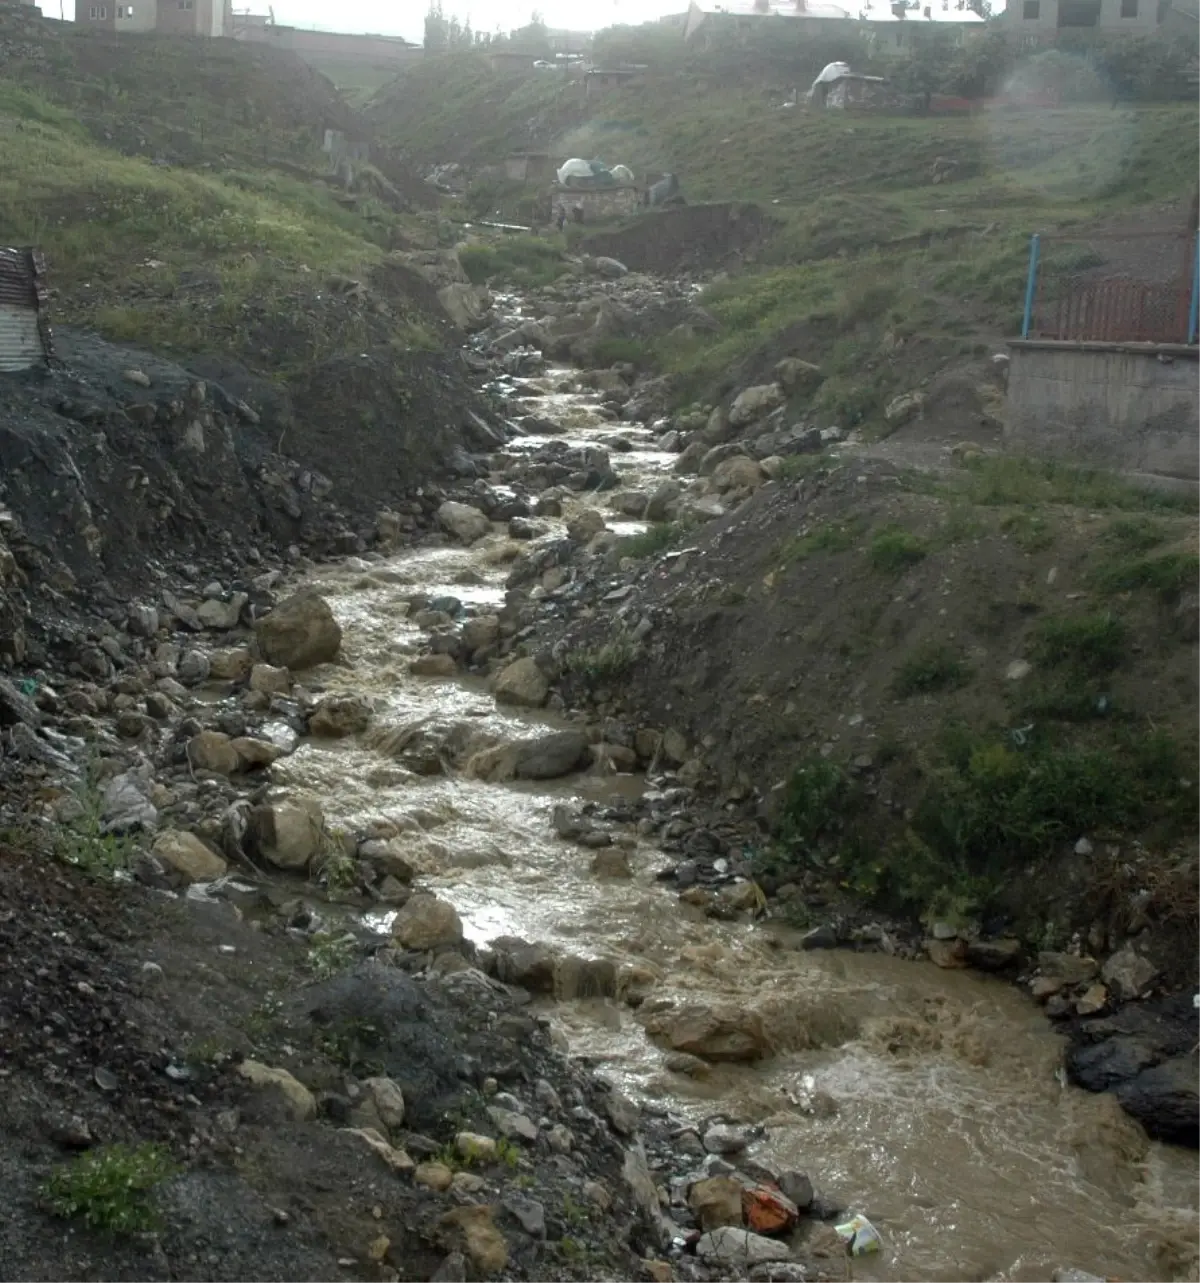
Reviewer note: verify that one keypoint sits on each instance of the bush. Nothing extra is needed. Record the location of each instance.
(110, 1188)
(1087, 644)
(930, 668)
(516, 260)
(894, 550)
(1167, 576)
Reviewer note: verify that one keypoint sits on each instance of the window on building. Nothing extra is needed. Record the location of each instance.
(124, 11)
(187, 4)
(98, 12)
(1032, 10)
(1129, 8)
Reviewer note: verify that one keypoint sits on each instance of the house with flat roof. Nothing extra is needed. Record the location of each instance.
(177, 17)
(891, 25)
(1042, 20)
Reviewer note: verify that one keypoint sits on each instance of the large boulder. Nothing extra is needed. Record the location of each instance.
(427, 922)
(540, 757)
(1164, 1100)
(299, 633)
(755, 403)
(213, 751)
(463, 521)
(289, 833)
(466, 305)
(712, 1032)
(738, 473)
(522, 683)
(716, 1201)
(728, 1245)
(301, 1103)
(797, 375)
(188, 856)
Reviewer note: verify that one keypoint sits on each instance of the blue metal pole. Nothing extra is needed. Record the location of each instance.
(1194, 310)
(1035, 245)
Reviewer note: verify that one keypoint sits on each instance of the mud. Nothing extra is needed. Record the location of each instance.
(690, 239)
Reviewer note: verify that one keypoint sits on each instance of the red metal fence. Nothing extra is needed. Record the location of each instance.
(1124, 287)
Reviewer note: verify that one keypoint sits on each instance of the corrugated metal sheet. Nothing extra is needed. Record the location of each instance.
(20, 339)
(24, 329)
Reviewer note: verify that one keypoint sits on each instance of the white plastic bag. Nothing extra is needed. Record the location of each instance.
(859, 1235)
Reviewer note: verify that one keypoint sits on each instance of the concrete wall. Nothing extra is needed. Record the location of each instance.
(599, 203)
(331, 46)
(1044, 19)
(1132, 408)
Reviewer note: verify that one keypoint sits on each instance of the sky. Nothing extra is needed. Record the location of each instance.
(407, 17)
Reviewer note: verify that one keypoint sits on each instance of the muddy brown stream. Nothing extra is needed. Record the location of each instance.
(953, 1130)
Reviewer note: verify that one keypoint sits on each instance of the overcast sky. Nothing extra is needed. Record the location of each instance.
(406, 18)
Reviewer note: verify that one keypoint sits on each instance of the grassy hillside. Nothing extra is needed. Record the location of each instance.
(910, 232)
(180, 194)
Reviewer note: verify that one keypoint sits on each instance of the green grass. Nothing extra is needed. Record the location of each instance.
(1019, 481)
(526, 261)
(1167, 576)
(894, 550)
(656, 538)
(603, 663)
(82, 842)
(1087, 644)
(930, 669)
(1134, 535)
(828, 537)
(111, 1188)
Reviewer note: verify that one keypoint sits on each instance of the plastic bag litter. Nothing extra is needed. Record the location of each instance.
(575, 168)
(622, 173)
(832, 71)
(859, 1235)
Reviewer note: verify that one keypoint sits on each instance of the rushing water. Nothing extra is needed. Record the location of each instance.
(944, 1116)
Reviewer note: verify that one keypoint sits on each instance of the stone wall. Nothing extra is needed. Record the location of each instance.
(1132, 408)
(599, 203)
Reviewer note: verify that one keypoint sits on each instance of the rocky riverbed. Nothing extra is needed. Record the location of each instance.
(418, 966)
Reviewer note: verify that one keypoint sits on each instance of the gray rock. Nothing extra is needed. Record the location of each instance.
(1128, 974)
(730, 1246)
(143, 621)
(1164, 1100)
(193, 668)
(299, 633)
(546, 757)
(822, 937)
(463, 521)
(125, 806)
(622, 1113)
(1067, 967)
(722, 1139)
(993, 955)
(222, 615)
(452, 1270)
(15, 707)
(798, 1187)
(515, 1126)
(530, 1213)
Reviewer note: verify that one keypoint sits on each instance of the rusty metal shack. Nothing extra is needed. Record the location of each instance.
(25, 338)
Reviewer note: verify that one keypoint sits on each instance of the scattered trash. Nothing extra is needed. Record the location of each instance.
(859, 1235)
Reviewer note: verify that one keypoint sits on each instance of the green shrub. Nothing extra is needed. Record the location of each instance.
(893, 550)
(656, 538)
(1087, 644)
(110, 1188)
(1167, 576)
(603, 663)
(516, 260)
(930, 668)
(1135, 535)
(814, 802)
(828, 537)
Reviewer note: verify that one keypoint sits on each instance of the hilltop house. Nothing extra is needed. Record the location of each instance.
(1040, 20)
(178, 17)
(891, 26)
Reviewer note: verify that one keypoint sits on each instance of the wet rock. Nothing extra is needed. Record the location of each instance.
(231, 664)
(609, 267)
(463, 521)
(612, 863)
(1100, 1066)
(722, 1139)
(949, 954)
(126, 807)
(661, 504)
(1127, 974)
(193, 667)
(730, 1246)
(681, 1062)
(530, 966)
(269, 680)
(993, 955)
(337, 716)
(388, 1100)
(255, 754)
(716, 1201)
(1069, 1275)
(714, 1033)
(484, 1244)
(1092, 1001)
(188, 856)
(622, 1113)
(585, 526)
(301, 1103)
(427, 922)
(433, 666)
(288, 833)
(522, 683)
(1163, 1098)
(797, 1187)
(143, 621)
(755, 403)
(213, 751)
(299, 633)
(480, 632)
(546, 757)
(822, 937)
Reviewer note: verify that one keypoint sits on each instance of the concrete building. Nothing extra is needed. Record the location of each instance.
(179, 17)
(1044, 19)
(892, 28)
(327, 48)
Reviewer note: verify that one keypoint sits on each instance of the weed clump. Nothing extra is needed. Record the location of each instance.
(654, 539)
(111, 1188)
(602, 663)
(1089, 645)
(1167, 576)
(894, 550)
(928, 669)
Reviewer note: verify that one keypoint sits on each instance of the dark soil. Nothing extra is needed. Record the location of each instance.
(158, 999)
(687, 239)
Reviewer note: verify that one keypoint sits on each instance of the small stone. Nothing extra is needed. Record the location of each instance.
(659, 1271)
(435, 1176)
(530, 1214)
(1128, 974)
(730, 1246)
(798, 1187)
(560, 1139)
(378, 1248)
(1018, 669)
(723, 1139)
(1093, 999)
(254, 754)
(465, 1184)
(1083, 847)
(680, 1062)
(396, 1159)
(301, 1102)
(612, 863)
(388, 1100)
(269, 680)
(716, 1201)
(427, 922)
(475, 1148)
(433, 666)
(213, 751)
(622, 1113)
(188, 856)
(1067, 967)
(512, 1124)
(139, 378)
(485, 1244)
(452, 1270)
(596, 1192)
